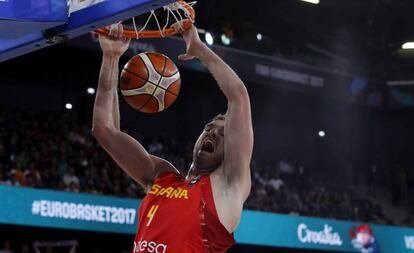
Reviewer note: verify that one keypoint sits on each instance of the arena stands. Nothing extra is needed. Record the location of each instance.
(54, 151)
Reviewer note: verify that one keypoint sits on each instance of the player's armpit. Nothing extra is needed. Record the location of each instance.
(128, 153)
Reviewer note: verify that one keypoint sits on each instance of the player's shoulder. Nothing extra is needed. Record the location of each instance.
(162, 166)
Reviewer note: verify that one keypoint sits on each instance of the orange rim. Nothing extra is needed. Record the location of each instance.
(150, 34)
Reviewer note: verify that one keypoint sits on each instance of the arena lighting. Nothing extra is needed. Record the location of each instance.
(225, 40)
(311, 1)
(321, 134)
(209, 38)
(259, 36)
(90, 90)
(408, 45)
(68, 106)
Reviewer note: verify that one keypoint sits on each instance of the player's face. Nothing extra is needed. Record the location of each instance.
(209, 149)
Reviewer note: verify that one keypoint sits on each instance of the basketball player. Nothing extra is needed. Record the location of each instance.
(182, 215)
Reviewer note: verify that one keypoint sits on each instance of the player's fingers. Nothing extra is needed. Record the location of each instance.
(127, 40)
(112, 31)
(178, 26)
(185, 57)
(115, 29)
(120, 29)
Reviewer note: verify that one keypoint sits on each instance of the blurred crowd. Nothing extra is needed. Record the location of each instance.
(287, 189)
(54, 151)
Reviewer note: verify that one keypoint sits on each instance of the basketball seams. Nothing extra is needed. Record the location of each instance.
(169, 61)
(146, 81)
(168, 90)
(149, 65)
(159, 81)
(163, 70)
(153, 65)
(166, 82)
(143, 63)
(165, 98)
(160, 89)
(179, 79)
(149, 73)
(152, 95)
(172, 74)
(145, 89)
(163, 67)
(146, 103)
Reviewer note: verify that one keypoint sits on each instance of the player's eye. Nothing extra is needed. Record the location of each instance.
(221, 131)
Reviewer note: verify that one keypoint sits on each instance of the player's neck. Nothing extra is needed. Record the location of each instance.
(194, 172)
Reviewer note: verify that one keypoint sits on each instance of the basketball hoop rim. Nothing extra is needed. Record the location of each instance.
(151, 34)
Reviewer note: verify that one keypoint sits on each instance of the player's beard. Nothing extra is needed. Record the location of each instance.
(205, 163)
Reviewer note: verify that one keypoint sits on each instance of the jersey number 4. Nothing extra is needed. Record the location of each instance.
(151, 213)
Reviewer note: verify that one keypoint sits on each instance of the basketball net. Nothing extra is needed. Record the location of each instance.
(179, 12)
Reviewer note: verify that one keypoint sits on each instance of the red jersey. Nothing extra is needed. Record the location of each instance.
(179, 216)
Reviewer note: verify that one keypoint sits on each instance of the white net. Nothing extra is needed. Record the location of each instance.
(173, 13)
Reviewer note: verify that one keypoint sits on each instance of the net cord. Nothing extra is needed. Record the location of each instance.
(170, 10)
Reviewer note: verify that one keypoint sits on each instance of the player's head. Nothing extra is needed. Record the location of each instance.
(208, 153)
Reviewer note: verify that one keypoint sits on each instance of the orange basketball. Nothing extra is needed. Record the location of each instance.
(150, 82)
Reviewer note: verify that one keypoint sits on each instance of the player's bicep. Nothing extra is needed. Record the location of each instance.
(238, 132)
(130, 155)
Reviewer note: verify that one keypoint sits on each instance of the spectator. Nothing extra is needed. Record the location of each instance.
(71, 181)
(25, 248)
(6, 247)
(2, 178)
(32, 176)
(155, 147)
(276, 183)
(285, 168)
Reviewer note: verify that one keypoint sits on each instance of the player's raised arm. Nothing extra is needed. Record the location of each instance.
(127, 152)
(238, 131)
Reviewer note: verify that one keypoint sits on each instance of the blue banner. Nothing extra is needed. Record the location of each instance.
(34, 10)
(288, 231)
(52, 209)
(20, 18)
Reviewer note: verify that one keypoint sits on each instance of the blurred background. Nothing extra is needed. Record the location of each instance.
(332, 97)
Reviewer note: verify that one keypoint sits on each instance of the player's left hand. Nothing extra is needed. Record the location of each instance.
(192, 40)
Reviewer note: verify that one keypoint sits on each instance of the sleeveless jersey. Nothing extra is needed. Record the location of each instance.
(179, 216)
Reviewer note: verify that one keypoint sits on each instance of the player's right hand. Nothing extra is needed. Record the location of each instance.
(114, 44)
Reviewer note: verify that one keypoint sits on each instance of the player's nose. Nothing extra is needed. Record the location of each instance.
(215, 132)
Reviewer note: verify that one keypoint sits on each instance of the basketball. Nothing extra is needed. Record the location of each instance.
(150, 82)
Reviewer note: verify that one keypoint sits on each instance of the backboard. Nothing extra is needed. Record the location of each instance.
(25, 27)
